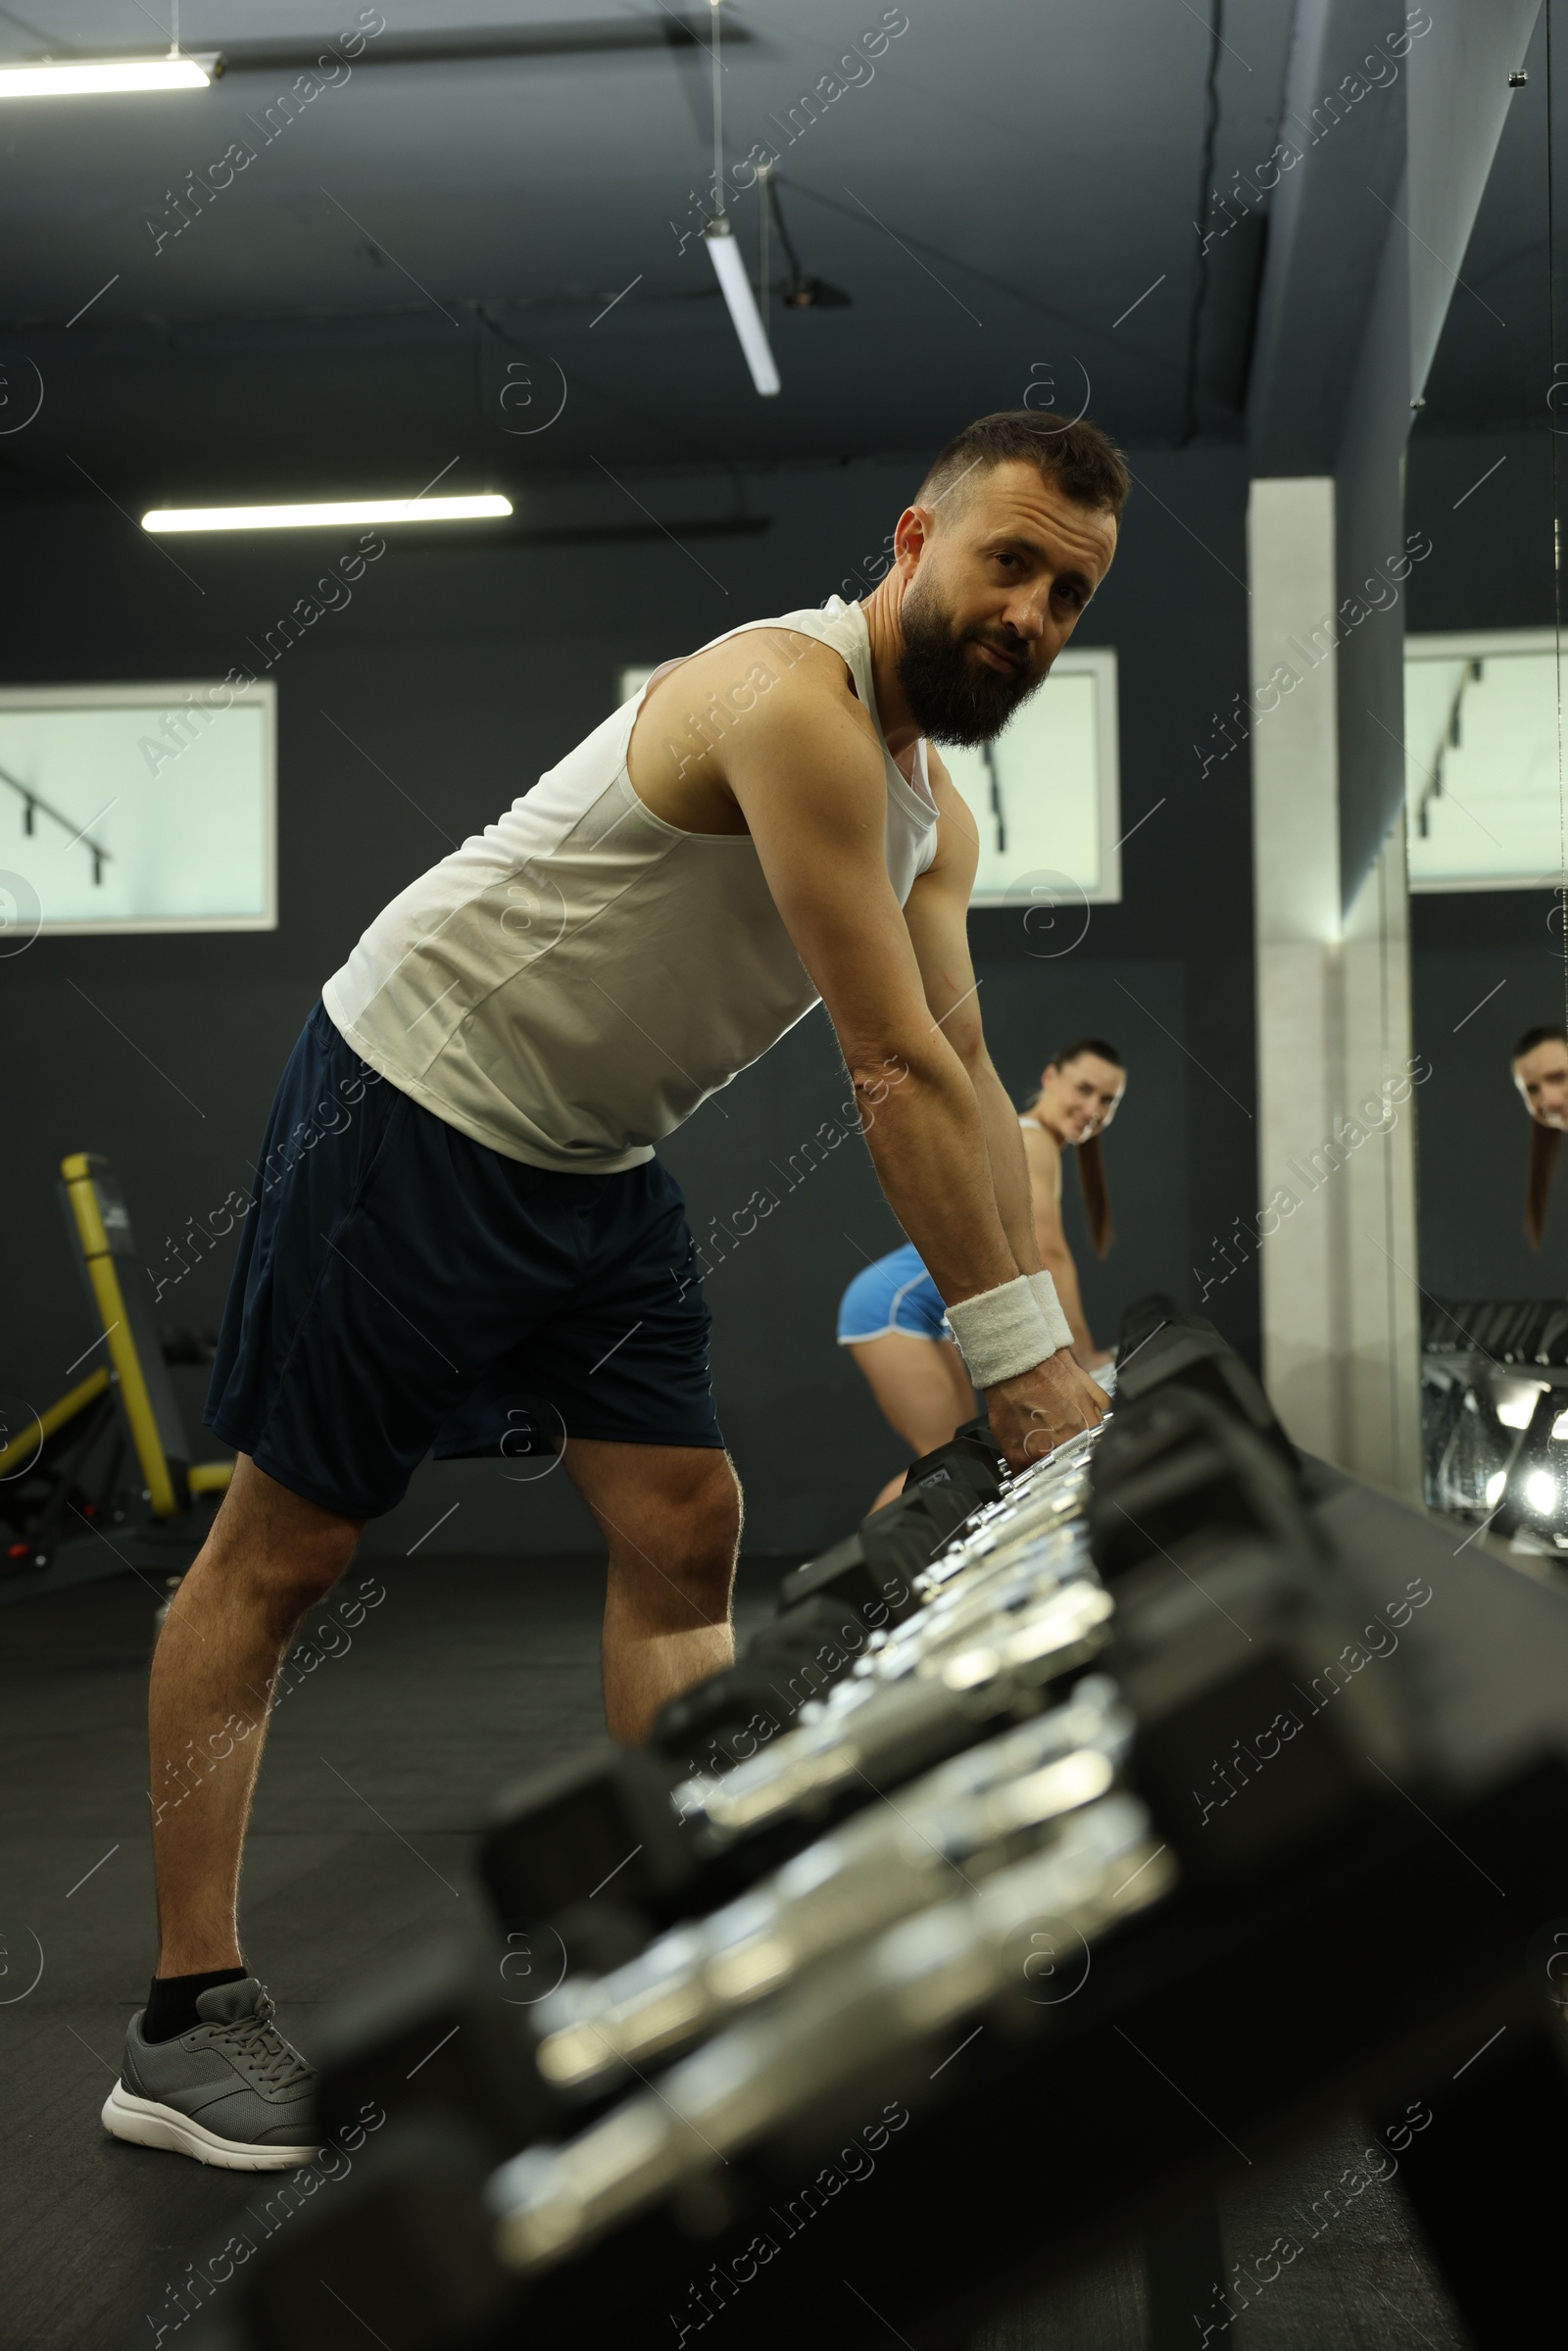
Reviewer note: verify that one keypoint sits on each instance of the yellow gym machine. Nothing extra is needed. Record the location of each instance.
(102, 1482)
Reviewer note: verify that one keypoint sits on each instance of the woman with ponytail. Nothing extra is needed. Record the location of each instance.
(891, 1316)
(1079, 1091)
(1541, 1073)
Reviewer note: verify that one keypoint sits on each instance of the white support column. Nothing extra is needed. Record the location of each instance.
(1381, 1098)
(1295, 879)
(1335, 1144)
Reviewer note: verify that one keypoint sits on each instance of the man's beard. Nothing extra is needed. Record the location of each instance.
(953, 698)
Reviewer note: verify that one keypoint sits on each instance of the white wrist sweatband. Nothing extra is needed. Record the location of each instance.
(1002, 1332)
(1057, 1323)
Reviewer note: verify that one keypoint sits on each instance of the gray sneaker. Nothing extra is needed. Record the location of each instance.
(230, 2091)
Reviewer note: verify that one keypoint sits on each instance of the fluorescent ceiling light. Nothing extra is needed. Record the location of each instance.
(99, 76)
(319, 518)
(736, 288)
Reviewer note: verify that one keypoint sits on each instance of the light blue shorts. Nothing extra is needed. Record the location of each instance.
(896, 1293)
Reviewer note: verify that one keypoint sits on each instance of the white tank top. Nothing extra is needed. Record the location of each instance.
(572, 983)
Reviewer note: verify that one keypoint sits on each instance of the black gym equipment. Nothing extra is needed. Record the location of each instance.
(1530, 1333)
(876, 1569)
(969, 1459)
(1164, 1346)
(612, 1812)
(568, 1832)
(1117, 1861)
(783, 1666)
(102, 1482)
(443, 2025)
(1482, 1357)
(830, 1606)
(1177, 1463)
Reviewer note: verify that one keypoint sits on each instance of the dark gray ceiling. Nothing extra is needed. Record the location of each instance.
(1007, 196)
(1006, 178)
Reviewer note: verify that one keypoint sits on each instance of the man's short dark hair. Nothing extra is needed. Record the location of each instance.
(1527, 1043)
(1083, 462)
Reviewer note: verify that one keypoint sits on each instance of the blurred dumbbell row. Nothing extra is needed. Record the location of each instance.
(998, 1724)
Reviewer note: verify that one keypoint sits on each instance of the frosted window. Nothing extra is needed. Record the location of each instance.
(1045, 795)
(1481, 760)
(140, 808)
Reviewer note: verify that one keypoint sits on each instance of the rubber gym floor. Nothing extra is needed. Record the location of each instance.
(380, 1768)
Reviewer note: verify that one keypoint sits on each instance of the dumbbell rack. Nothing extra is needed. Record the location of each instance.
(1026, 1871)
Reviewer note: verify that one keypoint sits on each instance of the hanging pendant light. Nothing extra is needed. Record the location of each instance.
(728, 267)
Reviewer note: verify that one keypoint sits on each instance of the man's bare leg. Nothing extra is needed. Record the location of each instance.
(671, 1516)
(268, 1557)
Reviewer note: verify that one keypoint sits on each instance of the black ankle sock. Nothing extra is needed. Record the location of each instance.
(172, 2001)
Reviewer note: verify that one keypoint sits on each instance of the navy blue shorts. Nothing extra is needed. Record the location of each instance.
(401, 1290)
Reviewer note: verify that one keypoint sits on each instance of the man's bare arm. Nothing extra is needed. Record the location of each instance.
(936, 913)
(808, 779)
(936, 916)
(807, 773)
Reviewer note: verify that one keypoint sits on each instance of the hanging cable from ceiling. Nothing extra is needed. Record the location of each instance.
(801, 293)
(1556, 522)
(1205, 185)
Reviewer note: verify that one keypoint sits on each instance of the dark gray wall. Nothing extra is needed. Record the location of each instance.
(459, 673)
(1490, 567)
(1370, 560)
